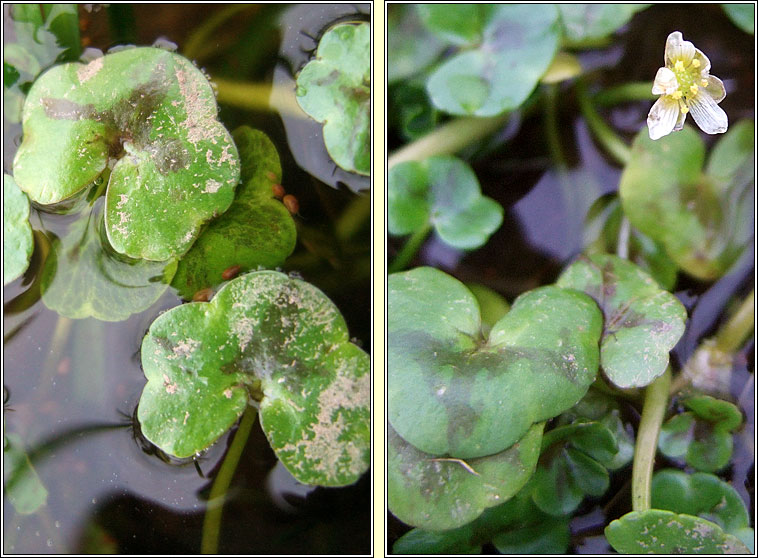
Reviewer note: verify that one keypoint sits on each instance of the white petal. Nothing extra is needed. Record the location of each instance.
(662, 117)
(680, 121)
(708, 115)
(665, 82)
(705, 64)
(715, 89)
(678, 49)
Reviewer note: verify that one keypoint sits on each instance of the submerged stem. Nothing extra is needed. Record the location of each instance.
(409, 249)
(612, 143)
(212, 521)
(627, 92)
(734, 332)
(653, 411)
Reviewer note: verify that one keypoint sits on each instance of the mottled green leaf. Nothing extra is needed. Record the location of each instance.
(442, 192)
(22, 484)
(149, 117)
(593, 21)
(18, 242)
(410, 47)
(262, 333)
(517, 45)
(257, 230)
(453, 392)
(703, 219)
(742, 15)
(642, 322)
(439, 493)
(335, 88)
(703, 495)
(665, 532)
(84, 278)
(551, 536)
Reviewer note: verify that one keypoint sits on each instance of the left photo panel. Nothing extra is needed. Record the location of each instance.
(187, 279)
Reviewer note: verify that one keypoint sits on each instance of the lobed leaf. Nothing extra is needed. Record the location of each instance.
(18, 242)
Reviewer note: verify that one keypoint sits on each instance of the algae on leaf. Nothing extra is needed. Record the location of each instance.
(18, 242)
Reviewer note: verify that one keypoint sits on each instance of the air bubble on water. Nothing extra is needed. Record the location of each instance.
(119, 48)
(90, 54)
(295, 275)
(165, 44)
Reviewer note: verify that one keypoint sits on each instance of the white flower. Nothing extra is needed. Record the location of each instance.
(685, 85)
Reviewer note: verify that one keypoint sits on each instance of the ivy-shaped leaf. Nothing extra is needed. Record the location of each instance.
(262, 333)
(410, 47)
(593, 21)
(705, 496)
(147, 116)
(665, 532)
(508, 49)
(22, 484)
(703, 219)
(439, 493)
(703, 436)
(453, 392)
(335, 88)
(442, 192)
(18, 242)
(257, 230)
(83, 277)
(642, 322)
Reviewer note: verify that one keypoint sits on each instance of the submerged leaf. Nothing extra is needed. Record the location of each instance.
(265, 333)
(18, 242)
(147, 114)
(335, 88)
(593, 21)
(642, 321)
(22, 484)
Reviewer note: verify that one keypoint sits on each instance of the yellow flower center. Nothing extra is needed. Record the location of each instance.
(688, 77)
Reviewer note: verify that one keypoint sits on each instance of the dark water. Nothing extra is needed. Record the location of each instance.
(73, 385)
(545, 214)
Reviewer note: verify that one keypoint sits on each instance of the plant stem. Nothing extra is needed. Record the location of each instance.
(255, 96)
(448, 138)
(551, 126)
(613, 144)
(734, 332)
(409, 249)
(214, 509)
(353, 217)
(622, 245)
(634, 91)
(653, 411)
(201, 42)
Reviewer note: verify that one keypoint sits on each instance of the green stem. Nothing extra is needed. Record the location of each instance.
(214, 509)
(551, 126)
(201, 42)
(628, 92)
(255, 96)
(653, 411)
(622, 245)
(613, 144)
(734, 332)
(353, 217)
(409, 249)
(448, 138)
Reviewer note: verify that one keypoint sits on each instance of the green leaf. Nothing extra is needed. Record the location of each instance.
(335, 88)
(700, 494)
(150, 116)
(742, 15)
(257, 230)
(83, 277)
(22, 484)
(583, 22)
(452, 392)
(550, 536)
(410, 47)
(665, 532)
(18, 242)
(642, 321)
(459, 24)
(492, 306)
(439, 493)
(262, 333)
(518, 43)
(411, 111)
(703, 219)
(442, 192)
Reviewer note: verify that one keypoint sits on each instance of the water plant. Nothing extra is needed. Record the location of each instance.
(510, 426)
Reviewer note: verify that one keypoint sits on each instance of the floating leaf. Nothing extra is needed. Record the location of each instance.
(83, 277)
(702, 437)
(442, 192)
(703, 495)
(257, 230)
(459, 24)
(703, 219)
(742, 15)
(498, 72)
(262, 332)
(22, 484)
(410, 47)
(18, 242)
(335, 88)
(642, 321)
(150, 116)
(665, 532)
(583, 22)
(452, 392)
(439, 493)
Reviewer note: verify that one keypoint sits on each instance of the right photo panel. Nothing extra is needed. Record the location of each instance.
(570, 291)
